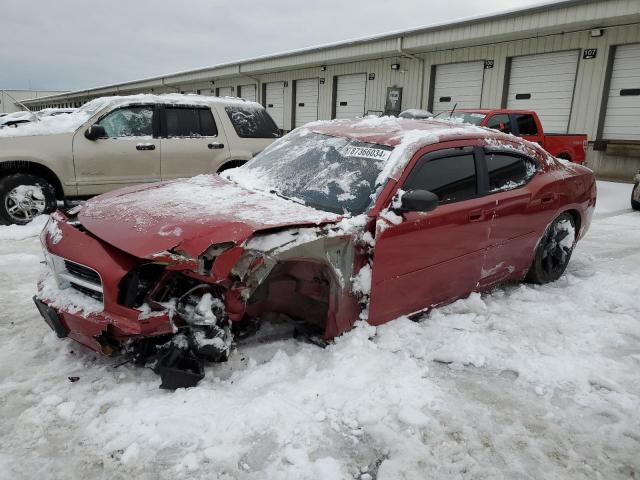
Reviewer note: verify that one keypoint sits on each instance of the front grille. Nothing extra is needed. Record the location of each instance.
(87, 291)
(82, 272)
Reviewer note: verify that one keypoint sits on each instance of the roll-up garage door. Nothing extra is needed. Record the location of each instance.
(306, 101)
(544, 83)
(274, 100)
(458, 83)
(622, 118)
(248, 92)
(350, 95)
(225, 91)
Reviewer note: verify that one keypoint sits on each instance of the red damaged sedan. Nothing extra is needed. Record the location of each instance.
(337, 221)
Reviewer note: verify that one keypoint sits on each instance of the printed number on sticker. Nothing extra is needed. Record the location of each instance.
(366, 152)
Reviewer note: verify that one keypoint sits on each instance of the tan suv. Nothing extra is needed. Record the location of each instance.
(113, 142)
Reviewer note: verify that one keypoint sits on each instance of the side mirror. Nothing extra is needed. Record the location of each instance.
(419, 201)
(94, 132)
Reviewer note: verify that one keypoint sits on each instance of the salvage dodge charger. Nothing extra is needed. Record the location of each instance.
(338, 221)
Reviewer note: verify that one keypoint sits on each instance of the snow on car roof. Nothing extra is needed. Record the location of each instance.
(52, 125)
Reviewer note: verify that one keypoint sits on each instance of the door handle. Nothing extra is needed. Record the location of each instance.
(215, 146)
(476, 215)
(145, 146)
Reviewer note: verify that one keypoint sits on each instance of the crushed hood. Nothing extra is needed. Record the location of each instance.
(189, 215)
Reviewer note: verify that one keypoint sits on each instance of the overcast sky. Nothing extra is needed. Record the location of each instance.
(74, 44)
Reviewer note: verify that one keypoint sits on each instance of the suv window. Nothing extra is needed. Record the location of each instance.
(500, 122)
(135, 121)
(189, 122)
(508, 171)
(251, 122)
(526, 124)
(451, 178)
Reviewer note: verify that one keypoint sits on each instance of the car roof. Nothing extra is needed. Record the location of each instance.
(176, 99)
(392, 131)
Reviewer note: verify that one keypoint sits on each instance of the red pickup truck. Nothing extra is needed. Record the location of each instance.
(526, 124)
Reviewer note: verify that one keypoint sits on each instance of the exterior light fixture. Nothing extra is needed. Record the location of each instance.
(395, 66)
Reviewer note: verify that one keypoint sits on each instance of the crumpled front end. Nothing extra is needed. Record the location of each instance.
(112, 301)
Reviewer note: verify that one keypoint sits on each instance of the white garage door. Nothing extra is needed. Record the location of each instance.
(622, 120)
(274, 100)
(225, 92)
(248, 92)
(459, 83)
(350, 95)
(306, 101)
(544, 83)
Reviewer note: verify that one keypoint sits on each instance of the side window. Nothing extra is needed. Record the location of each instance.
(508, 171)
(189, 122)
(526, 124)
(452, 178)
(129, 122)
(500, 122)
(251, 122)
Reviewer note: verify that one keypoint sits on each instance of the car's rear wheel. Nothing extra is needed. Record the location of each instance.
(554, 250)
(24, 196)
(635, 197)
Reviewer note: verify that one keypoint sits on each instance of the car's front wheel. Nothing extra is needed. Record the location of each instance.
(24, 196)
(554, 250)
(635, 196)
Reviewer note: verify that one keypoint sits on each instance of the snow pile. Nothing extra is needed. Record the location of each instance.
(20, 232)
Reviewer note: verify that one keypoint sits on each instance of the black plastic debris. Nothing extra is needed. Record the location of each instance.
(73, 379)
(179, 368)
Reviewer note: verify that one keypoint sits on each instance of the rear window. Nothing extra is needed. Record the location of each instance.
(526, 124)
(252, 122)
(190, 122)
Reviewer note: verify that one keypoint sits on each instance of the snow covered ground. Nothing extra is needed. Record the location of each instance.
(527, 382)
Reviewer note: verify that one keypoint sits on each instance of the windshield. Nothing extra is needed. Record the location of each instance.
(90, 108)
(333, 174)
(473, 118)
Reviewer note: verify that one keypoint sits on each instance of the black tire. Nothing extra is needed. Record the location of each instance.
(553, 252)
(635, 193)
(33, 203)
(231, 164)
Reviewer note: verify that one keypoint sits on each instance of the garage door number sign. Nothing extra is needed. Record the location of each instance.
(366, 152)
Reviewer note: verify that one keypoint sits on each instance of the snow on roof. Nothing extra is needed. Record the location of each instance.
(52, 125)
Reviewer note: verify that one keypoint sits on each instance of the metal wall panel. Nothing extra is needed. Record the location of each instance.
(306, 101)
(274, 100)
(622, 117)
(457, 84)
(350, 95)
(544, 83)
(248, 92)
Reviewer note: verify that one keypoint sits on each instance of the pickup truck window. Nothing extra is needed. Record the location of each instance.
(135, 121)
(526, 124)
(190, 122)
(500, 122)
(452, 179)
(474, 118)
(252, 122)
(508, 171)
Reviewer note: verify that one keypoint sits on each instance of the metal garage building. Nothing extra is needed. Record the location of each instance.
(576, 62)
(10, 100)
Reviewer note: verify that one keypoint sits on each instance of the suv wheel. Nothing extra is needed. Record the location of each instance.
(24, 196)
(635, 196)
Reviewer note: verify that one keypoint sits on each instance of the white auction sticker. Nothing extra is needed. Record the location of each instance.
(366, 152)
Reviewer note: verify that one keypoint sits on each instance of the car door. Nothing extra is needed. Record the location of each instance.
(521, 212)
(430, 258)
(128, 154)
(192, 142)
